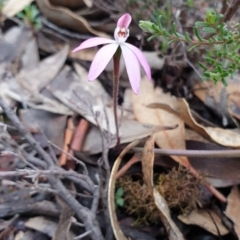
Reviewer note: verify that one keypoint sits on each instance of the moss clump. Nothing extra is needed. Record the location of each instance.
(138, 201)
(179, 187)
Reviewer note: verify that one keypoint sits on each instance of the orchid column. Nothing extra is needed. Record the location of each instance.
(133, 57)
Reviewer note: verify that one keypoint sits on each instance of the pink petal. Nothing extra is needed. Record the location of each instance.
(101, 60)
(124, 21)
(92, 42)
(141, 58)
(132, 66)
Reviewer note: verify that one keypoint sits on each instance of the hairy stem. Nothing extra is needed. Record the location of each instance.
(116, 65)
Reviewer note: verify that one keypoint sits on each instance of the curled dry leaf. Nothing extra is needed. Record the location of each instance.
(233, 209)
(147, 168)
(173, 139)
(66, 18)
(111, 193)
(225, 137)
(22, 88)
(206, 219)
(223, 100)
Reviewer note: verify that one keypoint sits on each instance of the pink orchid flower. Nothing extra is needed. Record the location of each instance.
(132, 55)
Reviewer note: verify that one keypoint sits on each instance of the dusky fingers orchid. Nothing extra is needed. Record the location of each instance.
(132, 56)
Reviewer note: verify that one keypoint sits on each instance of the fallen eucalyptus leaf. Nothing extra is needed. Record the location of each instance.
(233, 208)
(203, 219)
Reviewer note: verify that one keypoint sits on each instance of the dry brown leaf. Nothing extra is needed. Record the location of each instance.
(44, 73)
(223, 100)
(62, 231)
(29, 84)
(172, 139)
(42, 224)
(65, 18)
(111, 193)
(234, 104)
(85, 54)
(19, 236)
(131, 130)
(225, 137)
(191, 135)
(233, 209)
(12, 7)
(68, 3)
(147, 169)
(202, 219)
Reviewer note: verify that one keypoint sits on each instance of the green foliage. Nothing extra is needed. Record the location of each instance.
(119, 197)
(219, 43)
(30, 15)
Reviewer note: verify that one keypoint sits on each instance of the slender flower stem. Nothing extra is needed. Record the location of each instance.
(116, 66)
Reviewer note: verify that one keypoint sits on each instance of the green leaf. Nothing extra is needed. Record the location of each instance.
(120, 202)
(209, 30)
(195, 30)
(224, 74)
(193, 46)
(172, 41)
(201, 24)
(120, 192)
(146, 26)
(187, 38)
(165, 33)
(152, 37)
(206, 75)
(174, 29)
(180, 36)
(224, 82)
(202, 66)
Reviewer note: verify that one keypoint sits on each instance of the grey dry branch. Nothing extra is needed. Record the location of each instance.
(82, 212)
(194, 153)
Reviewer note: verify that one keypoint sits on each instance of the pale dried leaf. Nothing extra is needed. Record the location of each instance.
(42, 224)
(85, 54)
(111, 193)
(44, 73)
(30, 58)
(225, 137)
(172, 139)
(202, 219)
(147, 169)
(19, 235)
(194, 136)
(12, 7)
(233, 209)
(222, 100)
(130, 130)
(89, 3)
(66, 18)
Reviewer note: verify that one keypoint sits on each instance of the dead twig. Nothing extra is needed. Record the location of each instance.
(194, 153)
(230, 11)
(82, 212)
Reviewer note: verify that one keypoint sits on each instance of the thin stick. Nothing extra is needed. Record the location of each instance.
(195, 153)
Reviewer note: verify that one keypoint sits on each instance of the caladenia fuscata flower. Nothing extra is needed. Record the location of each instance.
(113, 49)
